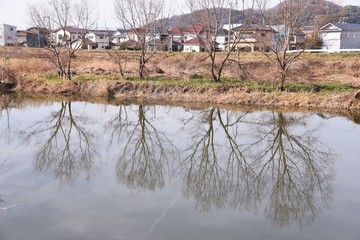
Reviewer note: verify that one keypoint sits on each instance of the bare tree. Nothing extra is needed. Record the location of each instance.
(140, 17)
(206, 23)
(287, 21)
(121, 59)
(57, 17)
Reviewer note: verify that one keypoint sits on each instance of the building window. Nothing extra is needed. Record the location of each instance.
(263, 34)
(11, 29)
(101, 37)
(60, 36)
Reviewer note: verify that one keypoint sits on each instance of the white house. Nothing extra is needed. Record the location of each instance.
(222, 38)
(101, 38)
(119, 36)
(8, 35)
(68, 34)
(136, 34)
(194, 45)
(336, 36)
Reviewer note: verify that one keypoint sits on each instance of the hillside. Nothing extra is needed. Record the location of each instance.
(317, 8)
(350, 14)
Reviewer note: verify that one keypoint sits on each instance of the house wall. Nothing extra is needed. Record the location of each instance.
(221, 40)
(191, 48)
(331, 40)
(178, 38)
(59, 36)
(102, 40)
(350, 40)
(7, 35)
(119, 37)
(256, 40)
(132, 36)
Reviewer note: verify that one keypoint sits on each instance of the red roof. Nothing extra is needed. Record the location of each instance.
(136, 31)
(195, 42)
(75, 29)
(177, 30)
(194, 28)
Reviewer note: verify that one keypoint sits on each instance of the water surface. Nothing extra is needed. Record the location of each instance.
(80, 170)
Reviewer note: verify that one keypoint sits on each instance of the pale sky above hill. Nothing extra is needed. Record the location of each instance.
(14, 12)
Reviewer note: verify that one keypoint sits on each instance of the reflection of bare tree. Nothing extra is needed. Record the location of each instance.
(7, 101)
(69, 148)
(146, 150)
(1, 171)
(283, 159)
(216, 171)
(299, 168)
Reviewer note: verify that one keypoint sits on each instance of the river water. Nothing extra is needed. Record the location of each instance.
(81, 170)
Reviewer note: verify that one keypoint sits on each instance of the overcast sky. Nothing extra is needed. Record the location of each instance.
(14, 12)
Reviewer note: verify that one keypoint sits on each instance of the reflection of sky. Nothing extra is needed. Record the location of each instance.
(102, 208)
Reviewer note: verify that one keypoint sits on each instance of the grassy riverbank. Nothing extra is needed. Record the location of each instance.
(315, 80)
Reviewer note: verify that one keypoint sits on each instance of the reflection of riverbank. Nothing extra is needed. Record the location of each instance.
(23, 100)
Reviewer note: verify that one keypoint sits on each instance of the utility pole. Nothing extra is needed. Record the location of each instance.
(229, 33)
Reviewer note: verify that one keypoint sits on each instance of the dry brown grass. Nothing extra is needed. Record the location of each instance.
(311, 68)
(31, 65)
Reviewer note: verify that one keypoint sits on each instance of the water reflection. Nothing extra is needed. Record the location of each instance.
(296, 167)
(216, 168)
(6, 103)
(268, 161)
(276, 160)
(68, 146)
(145, 150)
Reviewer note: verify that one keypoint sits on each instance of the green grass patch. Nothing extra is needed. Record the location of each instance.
(338, 87)
(328, 87)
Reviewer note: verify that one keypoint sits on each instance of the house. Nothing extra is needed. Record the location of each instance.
(8, 35)
(222, 38)
(136, 34)
(312, 38)
(67, 34)
(253, 37)
(177, 38)
(158, 39)
(21, 38)
(194, 45)
(119, 37)
(189, 39)
(296, 40)
(32, 37)
(83, 43)
(336, 36)
(194, 31)
(37, 37)
(101, 38)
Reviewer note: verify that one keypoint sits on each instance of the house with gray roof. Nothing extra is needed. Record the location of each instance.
(337, 36)
(253, 37)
